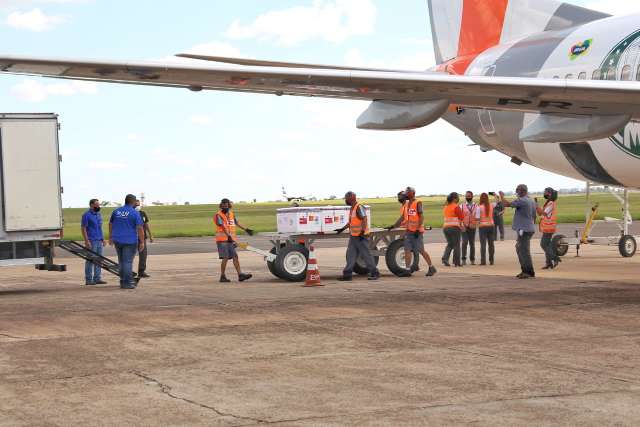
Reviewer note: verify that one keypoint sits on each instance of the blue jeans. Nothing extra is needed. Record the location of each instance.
(126, 255)
(92, 272)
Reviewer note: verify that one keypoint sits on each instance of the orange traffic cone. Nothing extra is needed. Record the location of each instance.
(313, 273)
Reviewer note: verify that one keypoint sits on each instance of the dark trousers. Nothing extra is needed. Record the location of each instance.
(499, 229)
(452, 235)
(126, 255)
(142, 260)
(523, 248)
(487, 238)
(359, 248)
(469, 238)
(549, 251)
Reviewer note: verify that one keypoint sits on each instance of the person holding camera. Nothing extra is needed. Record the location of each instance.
(226, 240)
(524, 221)
(548, 226)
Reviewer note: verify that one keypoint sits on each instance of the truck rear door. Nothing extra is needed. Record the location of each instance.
(30, 175)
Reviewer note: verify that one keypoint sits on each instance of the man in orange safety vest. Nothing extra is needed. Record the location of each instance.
(413, 220)
(226, 223)
(359, 241)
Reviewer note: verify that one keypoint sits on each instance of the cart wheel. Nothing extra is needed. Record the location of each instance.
(628, 246)
(395, 258)
(272, 266)
(559, 242)
(361, 267)
(291, 263)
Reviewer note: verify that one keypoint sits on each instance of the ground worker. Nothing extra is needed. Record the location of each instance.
(148, 237)
(498, 218)
(470, 222)
(402, 198)
(486, 228)
(359, 241)
(127, 235)
(226, 223)
(524, 225)
(548, 227)
(91, 228)
(413, 220)
(452, 229)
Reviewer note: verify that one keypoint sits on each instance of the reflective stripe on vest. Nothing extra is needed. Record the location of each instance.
(356, 225)
(549, 225)
(470, 220)
(486, 218)
(229, 225)
(412, 217)
(450, 217)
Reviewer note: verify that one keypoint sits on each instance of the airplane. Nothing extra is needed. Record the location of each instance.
(544, 82)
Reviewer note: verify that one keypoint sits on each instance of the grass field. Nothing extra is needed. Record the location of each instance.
(196, 220)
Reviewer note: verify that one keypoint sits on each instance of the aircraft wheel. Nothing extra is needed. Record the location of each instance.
(291, 263)
(628, 246)
(395, 258)
(559, 243)
(272, 266)
(361, 267)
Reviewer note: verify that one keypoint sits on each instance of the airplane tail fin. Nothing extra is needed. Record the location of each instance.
(462, 29)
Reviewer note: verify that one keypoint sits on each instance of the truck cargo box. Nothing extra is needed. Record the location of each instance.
(30, 189)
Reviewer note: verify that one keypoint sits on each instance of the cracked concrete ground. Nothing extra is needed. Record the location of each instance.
(468, 346)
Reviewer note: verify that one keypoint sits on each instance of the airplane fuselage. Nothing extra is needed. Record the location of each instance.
(607, 49)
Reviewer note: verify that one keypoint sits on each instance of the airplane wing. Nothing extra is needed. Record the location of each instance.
(261, 63)
(582, 97)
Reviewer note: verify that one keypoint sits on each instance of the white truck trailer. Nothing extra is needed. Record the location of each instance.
(30, 190)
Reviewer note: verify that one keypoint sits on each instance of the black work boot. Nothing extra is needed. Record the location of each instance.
(244, 277)
(345, 279)
(223, 279)
(432, 271)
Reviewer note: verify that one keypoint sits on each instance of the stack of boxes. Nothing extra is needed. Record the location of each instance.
(315, 219)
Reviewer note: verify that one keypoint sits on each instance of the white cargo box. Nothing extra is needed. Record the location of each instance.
(315, 219)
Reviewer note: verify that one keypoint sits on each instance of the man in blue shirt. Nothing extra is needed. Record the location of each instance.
(524, 223)
(127, 234)
(91, 227)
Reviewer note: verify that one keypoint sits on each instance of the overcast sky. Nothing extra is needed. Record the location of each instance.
(175, 145)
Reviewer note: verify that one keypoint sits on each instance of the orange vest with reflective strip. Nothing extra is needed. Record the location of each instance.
(412, 217)
(470, 220)
(356, 225)
(486, 218)
(549, 224)
(229, 224)
(450, 217)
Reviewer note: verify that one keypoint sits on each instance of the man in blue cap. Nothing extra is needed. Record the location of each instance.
(127, 234)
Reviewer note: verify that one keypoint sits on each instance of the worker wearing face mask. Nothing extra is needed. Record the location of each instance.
(359, 246)
(148, 237)
(226, 224)
(470, 222)
(548, 226)
(524, 225)
(91, 227)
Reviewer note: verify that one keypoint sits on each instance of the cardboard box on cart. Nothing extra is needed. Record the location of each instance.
(315, 219)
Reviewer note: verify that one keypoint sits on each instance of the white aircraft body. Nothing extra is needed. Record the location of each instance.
(544, 82)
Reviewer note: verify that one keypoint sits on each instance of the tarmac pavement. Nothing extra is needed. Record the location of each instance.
(470, 346)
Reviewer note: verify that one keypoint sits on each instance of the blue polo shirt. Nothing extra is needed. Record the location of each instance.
(92, 221)
(124, 224)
